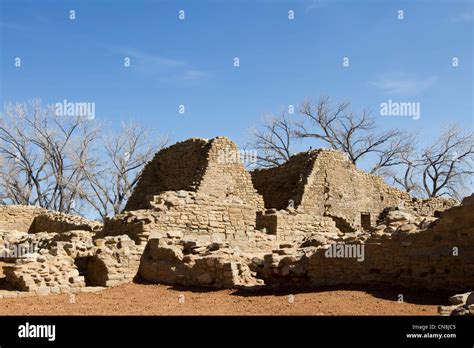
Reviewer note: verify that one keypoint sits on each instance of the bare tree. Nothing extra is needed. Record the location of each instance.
(65, 163)
(440, 169)
(21, 173)
(396, 152)
(66, 143)
(125, 154)
(404, 170)
(44, 156)
(273, 141)
(448, 163)
(443, 168)
(354, 134)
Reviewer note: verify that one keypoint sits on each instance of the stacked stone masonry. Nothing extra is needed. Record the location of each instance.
(197, 217)
(403, 250)
(66, 262)
(326, 183)
(197, 165)
(18, 217)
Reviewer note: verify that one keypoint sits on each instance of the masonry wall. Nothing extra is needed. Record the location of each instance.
(440, 257)
(53, 221)
(136, 224)
(225, 175)
(197, 165)
(426, 259)
(178, 167)
(18, 217)
(326, 183)
(207, 217)
(336, 188)
(430, 205)
(186, 214)
(279, 185)
(292, 225)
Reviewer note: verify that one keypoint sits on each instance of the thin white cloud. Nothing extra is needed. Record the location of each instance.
(403, 83)
(464, 17)
(11, 26)
(192, 74)
(315, 4)
(153, 64)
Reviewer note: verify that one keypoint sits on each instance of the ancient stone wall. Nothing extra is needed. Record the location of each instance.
(70, 262)
(437, 257)
(285, 183)
(225, 175)
(200, 216)
(18, 217)
(186, 263)
(31, 219)
(197, 165)
(430, 205)
(52, 221)
(114, 261)
(291, 225)
(326, 183)
(137, 224)
(177, 167)
(336, 188)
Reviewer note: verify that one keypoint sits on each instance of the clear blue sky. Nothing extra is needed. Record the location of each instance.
(282, 61)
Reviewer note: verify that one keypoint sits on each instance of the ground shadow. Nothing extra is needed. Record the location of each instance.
(3, 281)
(382, 291)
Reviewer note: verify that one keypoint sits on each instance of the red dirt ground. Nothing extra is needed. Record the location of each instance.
(141, 299)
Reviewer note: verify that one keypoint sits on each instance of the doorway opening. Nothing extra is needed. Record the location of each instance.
(365, 221)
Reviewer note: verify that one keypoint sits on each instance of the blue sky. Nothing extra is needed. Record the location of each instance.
(282, 61)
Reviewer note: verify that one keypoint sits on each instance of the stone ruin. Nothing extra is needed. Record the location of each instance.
(197, 217)
(44, 252)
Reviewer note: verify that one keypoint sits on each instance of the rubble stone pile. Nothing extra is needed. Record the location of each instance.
(461, 304)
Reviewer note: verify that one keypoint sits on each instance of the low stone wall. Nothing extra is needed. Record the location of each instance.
(137, 225)
(70, 261)
(291, 225)
(18, 217)
(31, 219)
(439, 256)
(429, 206)
(53, 221)
(44, 274)
(115, 261)
(190, 264)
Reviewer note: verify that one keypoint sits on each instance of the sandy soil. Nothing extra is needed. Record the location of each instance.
(141, 299)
